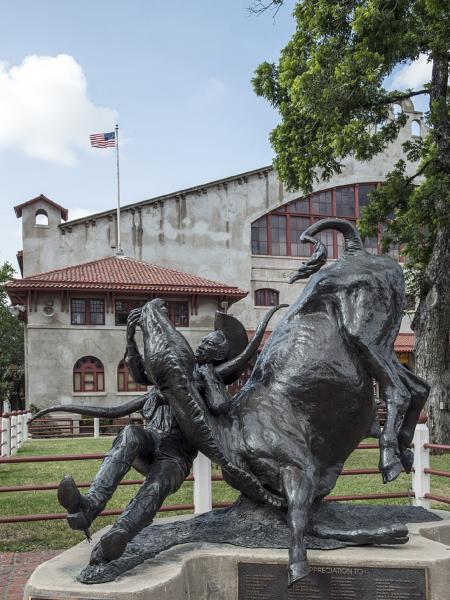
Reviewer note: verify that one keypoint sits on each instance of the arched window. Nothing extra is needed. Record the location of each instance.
(397, 110)
(88, 375)
(415, 128)
(266, 297)
(125, 382)
(41, 217)
(278, 232)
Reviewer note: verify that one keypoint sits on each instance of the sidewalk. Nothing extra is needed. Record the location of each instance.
(16, 568)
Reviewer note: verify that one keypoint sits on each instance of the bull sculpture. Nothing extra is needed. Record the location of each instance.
(309, 401)
(283, 439)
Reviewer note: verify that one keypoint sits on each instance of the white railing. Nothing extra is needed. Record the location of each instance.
(14, 432)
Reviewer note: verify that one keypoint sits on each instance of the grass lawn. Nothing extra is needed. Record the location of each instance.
(56, 534)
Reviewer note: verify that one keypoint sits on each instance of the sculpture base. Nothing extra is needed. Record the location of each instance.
(200, 571)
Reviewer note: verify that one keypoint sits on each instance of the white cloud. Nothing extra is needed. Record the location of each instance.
(414, 75)
(45, 111)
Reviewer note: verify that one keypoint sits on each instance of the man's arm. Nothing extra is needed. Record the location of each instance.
(215, 392)
(133, 357)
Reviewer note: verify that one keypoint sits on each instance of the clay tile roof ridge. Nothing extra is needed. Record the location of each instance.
(190, 280)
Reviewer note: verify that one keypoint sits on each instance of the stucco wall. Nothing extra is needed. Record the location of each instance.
(53, 346)
(204, 231)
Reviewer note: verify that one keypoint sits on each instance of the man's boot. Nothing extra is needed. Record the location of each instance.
(84, 508)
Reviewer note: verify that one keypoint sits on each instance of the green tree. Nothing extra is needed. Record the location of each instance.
(11, 341)
(329, 88)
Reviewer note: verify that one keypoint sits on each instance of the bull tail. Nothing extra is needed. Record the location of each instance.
(96, 411)
(352, 244)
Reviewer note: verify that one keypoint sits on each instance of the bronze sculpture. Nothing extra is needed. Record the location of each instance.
(159, 450)
(283, 439)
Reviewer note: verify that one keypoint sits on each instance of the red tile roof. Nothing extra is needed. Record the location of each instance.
(403, 343)
(19, 207)
(124, 274)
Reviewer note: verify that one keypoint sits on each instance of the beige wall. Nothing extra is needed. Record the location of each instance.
(53, 346)
(204, 231)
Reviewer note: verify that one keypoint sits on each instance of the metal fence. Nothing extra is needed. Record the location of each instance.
(14, 432)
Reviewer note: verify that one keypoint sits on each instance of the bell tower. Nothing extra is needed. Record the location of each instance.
(40, 233)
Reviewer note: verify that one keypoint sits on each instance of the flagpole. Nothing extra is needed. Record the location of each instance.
(119, 250)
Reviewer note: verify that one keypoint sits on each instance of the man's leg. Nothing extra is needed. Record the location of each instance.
(132, 444)
(165, 477)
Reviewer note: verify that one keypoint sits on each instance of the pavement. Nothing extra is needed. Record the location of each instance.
(16, 568)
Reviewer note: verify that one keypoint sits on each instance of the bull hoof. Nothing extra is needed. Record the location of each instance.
(391, 472)
(407, 459)
(297, 571)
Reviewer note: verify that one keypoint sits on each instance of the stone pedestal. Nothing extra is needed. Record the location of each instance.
(200, 571)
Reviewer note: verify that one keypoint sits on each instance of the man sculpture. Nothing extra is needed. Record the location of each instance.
(159, 450)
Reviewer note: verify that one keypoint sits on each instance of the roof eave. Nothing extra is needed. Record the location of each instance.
(21, 285)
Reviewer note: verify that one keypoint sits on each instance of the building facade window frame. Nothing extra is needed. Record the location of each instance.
(283, 223)
(179, 309)
(128, 304)
(267, 297)
(125, 381)
(88, 375)
(179, 312)
(87, 311)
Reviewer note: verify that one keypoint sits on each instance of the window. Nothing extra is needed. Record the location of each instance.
(345, 202)
(322, 203)
(88, 375)
(327, 239)
(298, 226)
(123, 309)
(88, 311)
(125, 382)
(415, 128)
(179, 313)
(41, 218)
(278, 232)
(266, 297)
(259, 236)
(300, 206)
(364, 189)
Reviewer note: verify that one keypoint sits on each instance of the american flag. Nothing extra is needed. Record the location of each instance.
(103, 140)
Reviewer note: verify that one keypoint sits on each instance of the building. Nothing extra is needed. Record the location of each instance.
(76, 320)
(242, 230)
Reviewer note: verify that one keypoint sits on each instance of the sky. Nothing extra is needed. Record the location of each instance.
(174, 75)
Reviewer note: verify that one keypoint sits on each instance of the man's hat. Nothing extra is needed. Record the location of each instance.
(234, 332)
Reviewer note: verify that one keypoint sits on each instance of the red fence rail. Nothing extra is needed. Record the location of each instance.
(190, 507)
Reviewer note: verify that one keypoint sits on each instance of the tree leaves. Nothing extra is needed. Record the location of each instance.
(329, 88)
(11, 339)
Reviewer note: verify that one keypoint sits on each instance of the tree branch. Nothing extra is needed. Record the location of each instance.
(258, 7)
(418, 172)
(403, 96)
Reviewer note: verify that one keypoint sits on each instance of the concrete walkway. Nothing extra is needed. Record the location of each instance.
(16, 568)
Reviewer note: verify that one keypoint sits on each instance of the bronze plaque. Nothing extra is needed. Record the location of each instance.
(259, 581)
